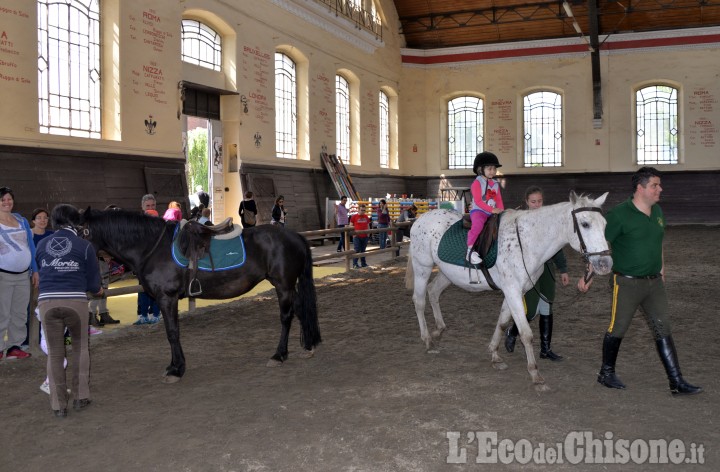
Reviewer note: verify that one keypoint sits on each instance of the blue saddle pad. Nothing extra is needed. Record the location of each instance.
(226, 254)
(453, 247)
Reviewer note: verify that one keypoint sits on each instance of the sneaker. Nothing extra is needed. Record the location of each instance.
(364, 265)
(473, 257)
(356, 266)
(45, 387)
(92, 331)
(153, 319)
(141, 320)
(17, 353)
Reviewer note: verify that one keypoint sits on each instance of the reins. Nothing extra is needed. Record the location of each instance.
(583, 249)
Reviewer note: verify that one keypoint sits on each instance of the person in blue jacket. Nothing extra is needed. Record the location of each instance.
(68, 271)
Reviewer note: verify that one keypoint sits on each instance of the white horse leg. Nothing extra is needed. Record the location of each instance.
(518, 313)
(435, 289)
(505, 316)
(421, 276)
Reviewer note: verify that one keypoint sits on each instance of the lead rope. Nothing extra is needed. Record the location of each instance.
(522, 256)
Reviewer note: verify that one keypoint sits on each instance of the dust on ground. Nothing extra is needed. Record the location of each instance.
(372, 399)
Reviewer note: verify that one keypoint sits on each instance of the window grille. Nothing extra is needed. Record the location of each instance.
(285, 107)
(542, 132)
(69, 68)
(342, 118)
(201, 45)
(656, 125)
(465, 131)
(384, 107)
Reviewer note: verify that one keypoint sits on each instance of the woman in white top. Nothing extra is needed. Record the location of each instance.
(17, 269)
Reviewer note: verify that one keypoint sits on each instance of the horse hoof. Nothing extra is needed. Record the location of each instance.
(306, 354)
(273, 363)
(171, 379)
(499, 365)
(541, 388)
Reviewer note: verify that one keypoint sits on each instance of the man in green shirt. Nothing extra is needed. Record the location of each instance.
(635, 230)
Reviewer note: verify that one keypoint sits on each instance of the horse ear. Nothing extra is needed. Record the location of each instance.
(601, 199)
(573, 197)
(84, 214)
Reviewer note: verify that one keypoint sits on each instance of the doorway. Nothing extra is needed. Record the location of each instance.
(204, 163)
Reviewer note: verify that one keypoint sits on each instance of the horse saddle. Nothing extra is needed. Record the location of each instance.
(215, 248)
(453, 244)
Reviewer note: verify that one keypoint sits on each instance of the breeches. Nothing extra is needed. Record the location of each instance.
(648, 294)
(97, 305)
(478, 219)
(56, 315)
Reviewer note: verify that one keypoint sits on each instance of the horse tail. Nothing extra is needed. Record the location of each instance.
(409, 272)
(306, 308)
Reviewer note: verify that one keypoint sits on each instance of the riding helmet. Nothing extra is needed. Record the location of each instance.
(485, 159)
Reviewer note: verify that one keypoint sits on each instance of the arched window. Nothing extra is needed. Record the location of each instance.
(285, 107)
(542, 129)
(201, 45)
(656, 125)
(384, 108)
(465, 131)
(342, 119)
(69, 68)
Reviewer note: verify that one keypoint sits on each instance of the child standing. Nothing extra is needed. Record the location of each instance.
(486, 199)
(97, 306)
(361, 221)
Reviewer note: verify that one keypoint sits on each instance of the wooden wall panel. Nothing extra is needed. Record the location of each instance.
(46, 177)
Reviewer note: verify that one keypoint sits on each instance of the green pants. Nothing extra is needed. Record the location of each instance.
(545, 285)
(648, 294)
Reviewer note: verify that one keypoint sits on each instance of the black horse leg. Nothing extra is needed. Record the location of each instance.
(176, 369)
(285, 299)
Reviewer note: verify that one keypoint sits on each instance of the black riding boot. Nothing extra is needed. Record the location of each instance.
(511, 334)
(107, 319)
(94, 321)
(546, 324)
(668, 356)
(607, 377)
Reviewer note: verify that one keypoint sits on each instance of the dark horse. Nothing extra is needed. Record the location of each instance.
(279, 255)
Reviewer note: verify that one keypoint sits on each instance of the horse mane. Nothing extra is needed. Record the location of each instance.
(123, 227)
(582, 200)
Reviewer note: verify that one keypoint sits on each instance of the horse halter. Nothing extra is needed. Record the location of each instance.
(576, 227)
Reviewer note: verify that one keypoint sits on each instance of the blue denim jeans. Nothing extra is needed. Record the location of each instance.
(341, 244)
(383, 235)
(360, 245)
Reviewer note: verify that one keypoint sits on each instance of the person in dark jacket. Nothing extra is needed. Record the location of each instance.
(278, 211)
(69, 269)
(248, 211)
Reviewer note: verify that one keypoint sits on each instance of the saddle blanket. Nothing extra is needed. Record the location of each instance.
(226, 254)
(453, 247)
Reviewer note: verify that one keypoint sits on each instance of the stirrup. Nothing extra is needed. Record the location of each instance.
(194, 293)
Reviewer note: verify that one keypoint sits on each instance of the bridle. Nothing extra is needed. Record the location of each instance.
(583, 248)
(86, 235)
(576, 227)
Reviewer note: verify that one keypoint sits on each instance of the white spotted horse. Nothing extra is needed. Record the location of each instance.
(281, 256)
(526, 239)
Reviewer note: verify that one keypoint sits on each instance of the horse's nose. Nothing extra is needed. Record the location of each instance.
(602, 265)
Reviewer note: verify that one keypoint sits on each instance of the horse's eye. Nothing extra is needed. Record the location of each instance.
(585, 224)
